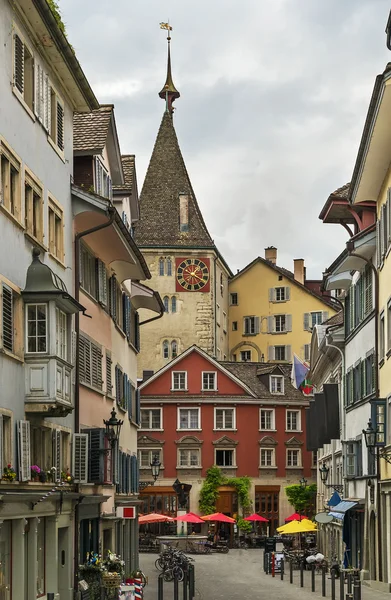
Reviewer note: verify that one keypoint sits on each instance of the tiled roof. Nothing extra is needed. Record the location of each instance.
(166, 178)
(128, 167)
(249, 372)
(335, 319)
(342, 192)
(90, 129)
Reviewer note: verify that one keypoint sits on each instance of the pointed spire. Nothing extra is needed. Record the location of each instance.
(169, 93)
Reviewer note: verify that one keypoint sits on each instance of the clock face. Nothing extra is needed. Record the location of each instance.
(192, 275)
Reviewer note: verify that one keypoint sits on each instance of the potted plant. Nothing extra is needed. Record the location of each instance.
(35, 472)
(9, 473)
(113, 570)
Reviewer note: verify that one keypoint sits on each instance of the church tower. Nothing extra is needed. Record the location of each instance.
(187, 269)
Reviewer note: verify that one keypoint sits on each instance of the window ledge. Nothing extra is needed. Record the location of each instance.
(92, 388)
(60, 153)
(267, 468)
(90, 296)
(35, 241)
(57, 260)
(149, 467)
(215, 390)
(249, 334)
(11, 216)
(189, 467)
(150, 429)
(278, 393)
(225, 429)
(181, 390)
(296, 467)
(26, 107)
(293, 431)
(119, 329)
(268, 430)
(278, 332)
(227, 466)
(11, 355)
(185, 429)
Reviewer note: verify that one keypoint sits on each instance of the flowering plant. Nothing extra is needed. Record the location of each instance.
(35, 470)
(9, 473)
(113, 563)
(66, 476)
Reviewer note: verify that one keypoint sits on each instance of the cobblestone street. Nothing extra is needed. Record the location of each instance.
(239, 575)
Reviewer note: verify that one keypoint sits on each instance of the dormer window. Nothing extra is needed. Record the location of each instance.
(209, 381)
(103, 184)
(184, 212)
(179, 380)
(276, 384)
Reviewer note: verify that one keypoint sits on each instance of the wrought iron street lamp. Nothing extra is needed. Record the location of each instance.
(303, 483)
(370, 437)
(375, 440)
(324, 475)
(113, 428)
(155, 467)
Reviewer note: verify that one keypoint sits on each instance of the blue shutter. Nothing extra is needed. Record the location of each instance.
(120, 481)
(138, 417)
(136, 331)
(124, 404)
(134, 475)
(130, 405)
(137, 473)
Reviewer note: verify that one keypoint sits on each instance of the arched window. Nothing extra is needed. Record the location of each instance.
(173, 304)
(165, 302)
(166, 353)
(174, 349)
(169, 266)
(161, 266)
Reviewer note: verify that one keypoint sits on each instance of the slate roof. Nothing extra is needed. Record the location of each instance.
(128, 167)
(90, 130)
(249, 372)
(166, 178)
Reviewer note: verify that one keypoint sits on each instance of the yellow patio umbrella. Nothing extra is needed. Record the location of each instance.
(303, 526)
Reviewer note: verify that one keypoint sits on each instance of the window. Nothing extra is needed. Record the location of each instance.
(293, 420)
(307, 352)
(165, 302)
(173, 304)
(281, 353)
(381, 337)
(174, 349)
(166, 350)
(10, 182)
(250, 325)
(314, 318)
(224, 321)
(189, 418)
(89, 272)
(151, 418)
(7, 318)
(90, 362)
(161, 266)
(57, 120)
(280, 323)
(23, 73)
(267, 419)
(293, 458)
(352, 458)
(359, 301)
(218, 314)
(36, 327)
(276, 384)
(224, 418)
(279, 294)
(267, 458)
(5, 441)
(245, 355)
(169, 267)
(56, 231)
(189, 458)
(225, 458)
(33, 208)
(369, 373)
(233, 299)
(209, 380)
(179, 380)
(146, 457)
(389, 325)
(234, 325)
(61, 334)
(314, 462)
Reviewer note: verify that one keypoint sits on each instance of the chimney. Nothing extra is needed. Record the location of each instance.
(299, 270)
(147, 375)
(271, 254)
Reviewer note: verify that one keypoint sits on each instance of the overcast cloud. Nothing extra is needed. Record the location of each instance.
(274, 94)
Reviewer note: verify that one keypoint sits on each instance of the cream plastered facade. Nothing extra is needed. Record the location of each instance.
(201, 317)
(252, 289)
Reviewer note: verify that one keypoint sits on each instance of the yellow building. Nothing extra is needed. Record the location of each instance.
(272, 311)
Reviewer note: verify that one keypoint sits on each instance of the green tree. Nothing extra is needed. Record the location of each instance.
(302, 499)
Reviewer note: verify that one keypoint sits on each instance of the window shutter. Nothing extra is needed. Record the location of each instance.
(271, 353)
(389, 215)
(306, 321)
(384, 228)
(116, 457)
(287, 293)
(47, 108)
(102, 282)
(84, 360)
(37, 90)
(351, 307)
(124, 303)
(60, 125)
(307, 351)
(256, 323)
(80, 457)
(117, 384)
(96, 443)
(288, 322)
(134, 474)
(1, 446)
(24, 461)
(96, 368)
(109, 383)
(138, 418)
(113, 297)
(57, 453)
(288, 353)
(18, 64)
(272, 294)
(125, 394)
(7, 317)
(73, 354)
(378, 246)
(325, 315)
(120, 472)
(136, 331)
(130, 405)
(270, 324)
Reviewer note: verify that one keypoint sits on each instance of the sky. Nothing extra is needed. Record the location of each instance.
(274, 94)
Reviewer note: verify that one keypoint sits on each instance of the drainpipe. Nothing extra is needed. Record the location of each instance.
(78, 236)
(215, 307)
(350, 246)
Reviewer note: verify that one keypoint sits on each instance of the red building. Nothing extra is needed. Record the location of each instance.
(246, 418)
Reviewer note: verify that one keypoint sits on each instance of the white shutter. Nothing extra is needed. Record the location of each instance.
(57, 453)
(272, 294)
(288, 322)
(80, 457)
(325, 315)
(102, 283)
(47, 104)
(288, 353)
(287, 293)
(270, 324)
(256, 320)
(1, 446)
(24, 461)
(271, 353)
(306, 321)
(37, 75)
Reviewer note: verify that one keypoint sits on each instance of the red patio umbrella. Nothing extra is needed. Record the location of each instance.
(296, 517)
(255, 517)
(218, 517)
(154, 518)
(189, 518)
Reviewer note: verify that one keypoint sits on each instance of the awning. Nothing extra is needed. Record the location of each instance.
(341, 281)
(340, 509)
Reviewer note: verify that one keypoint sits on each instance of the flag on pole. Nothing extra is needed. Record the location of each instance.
(299, 372)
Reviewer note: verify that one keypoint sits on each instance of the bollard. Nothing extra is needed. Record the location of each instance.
(350, 583)
(342, 586)
(349, 596)
(282, 569)
(290, 572)
(50, 596)
(191, 582)
(273, 565)
(176, 589)
(301, 574)
(323, 581)
(160, 583)
(266, 562)
(313, 577)
(357, 590)
(332, 584)
(185, 586)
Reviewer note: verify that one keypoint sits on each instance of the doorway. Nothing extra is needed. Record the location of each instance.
(63, 564)
(372, 546)
(267, 501)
